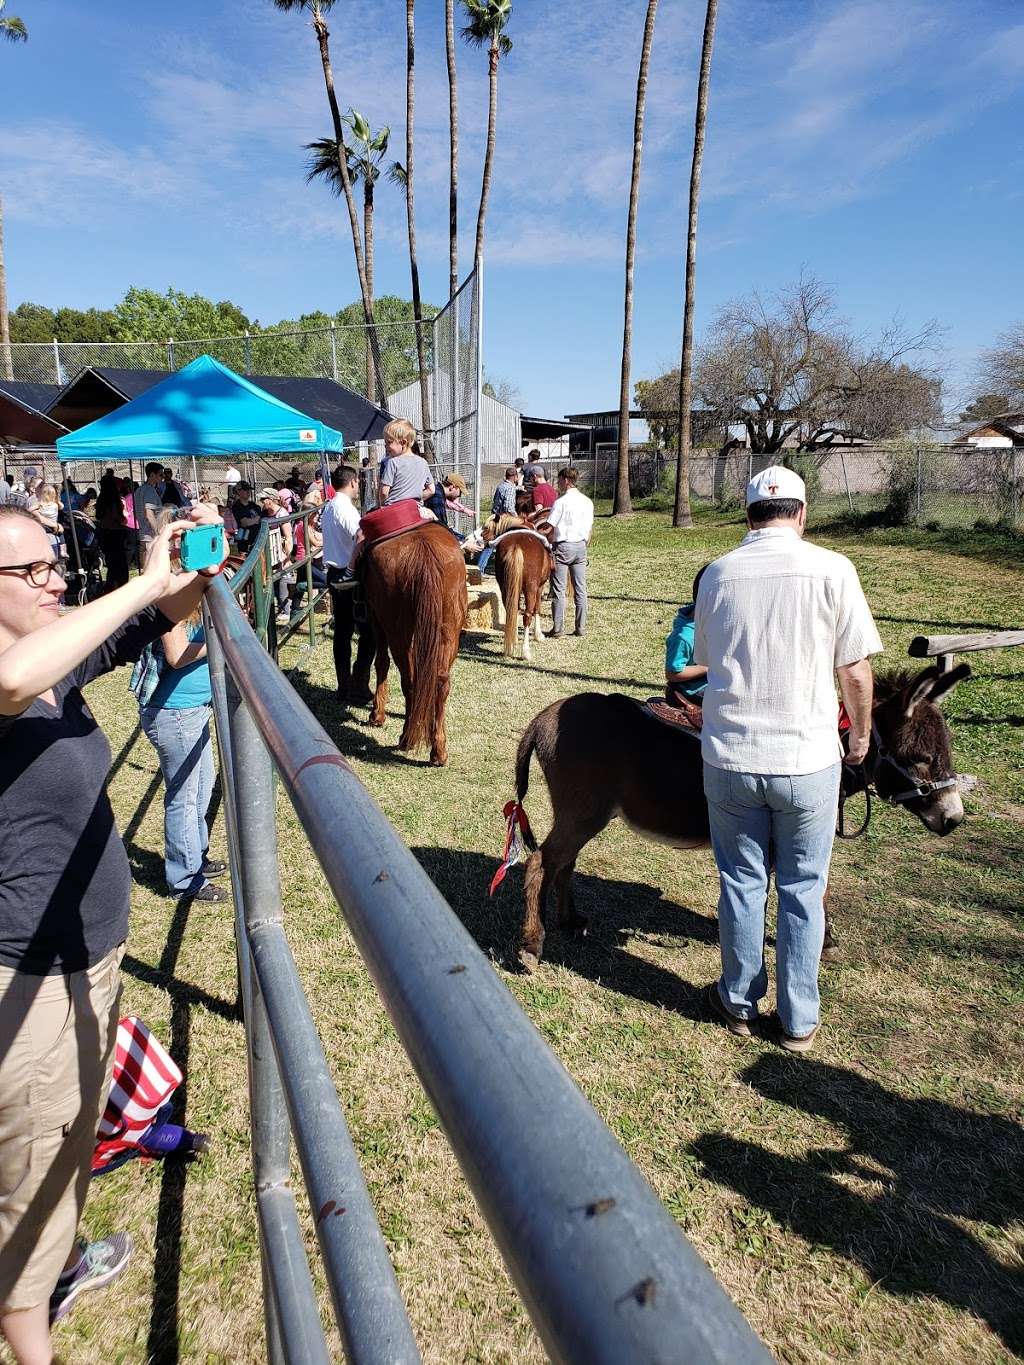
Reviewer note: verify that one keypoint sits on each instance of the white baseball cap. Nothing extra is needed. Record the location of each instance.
(774, 483)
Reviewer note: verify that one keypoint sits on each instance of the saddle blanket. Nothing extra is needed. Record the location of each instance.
(391, 520)
(521, 531)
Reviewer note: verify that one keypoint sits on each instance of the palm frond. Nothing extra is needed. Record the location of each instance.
(322, 163)
(487, 21)
(399, 176)
(322, 5)
(13, 29)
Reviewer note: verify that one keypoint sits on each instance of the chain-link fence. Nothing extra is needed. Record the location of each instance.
(930, 486)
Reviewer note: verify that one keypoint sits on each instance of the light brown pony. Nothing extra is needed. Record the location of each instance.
(415, 589)
(522, 565)
(604, 756)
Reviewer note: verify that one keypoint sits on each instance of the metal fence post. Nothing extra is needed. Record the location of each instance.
(170, 353)
(56, 363)
(920, 476)
(290, 1305)
(1014, 490)
(334, 360)
(248, 353)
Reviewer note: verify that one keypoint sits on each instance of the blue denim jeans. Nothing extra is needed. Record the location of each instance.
(181, 739)
(757, 823)
(486, 555)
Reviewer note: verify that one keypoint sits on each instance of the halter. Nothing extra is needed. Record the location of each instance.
(915, 791)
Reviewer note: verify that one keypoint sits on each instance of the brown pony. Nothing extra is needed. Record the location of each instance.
(522, 565)
(606, 756)
(415, 589)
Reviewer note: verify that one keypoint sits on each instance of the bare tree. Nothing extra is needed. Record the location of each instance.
(792, 369)
(1002, 367)
(453, 149)
(623, 502)
(681, 513)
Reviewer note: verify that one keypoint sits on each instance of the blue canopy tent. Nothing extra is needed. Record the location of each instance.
(203, 410)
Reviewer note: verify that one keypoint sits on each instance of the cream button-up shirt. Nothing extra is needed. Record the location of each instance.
(572, 517)
(775, 618)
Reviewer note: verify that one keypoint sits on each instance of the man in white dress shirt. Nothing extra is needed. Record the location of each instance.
(569, 526)
(339, 526)
(777, 619)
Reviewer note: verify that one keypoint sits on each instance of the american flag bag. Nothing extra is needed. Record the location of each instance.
(145, 1077)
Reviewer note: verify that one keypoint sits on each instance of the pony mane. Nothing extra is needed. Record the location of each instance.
(892, 681)
(497, 526)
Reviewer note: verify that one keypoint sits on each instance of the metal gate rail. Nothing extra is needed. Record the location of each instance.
(603, 1269)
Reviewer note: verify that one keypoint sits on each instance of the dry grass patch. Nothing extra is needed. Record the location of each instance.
(860, 1204)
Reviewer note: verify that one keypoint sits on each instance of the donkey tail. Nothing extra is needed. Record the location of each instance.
(513, 581)
(524, 753)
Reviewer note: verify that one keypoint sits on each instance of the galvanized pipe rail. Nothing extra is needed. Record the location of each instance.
(604, 1270)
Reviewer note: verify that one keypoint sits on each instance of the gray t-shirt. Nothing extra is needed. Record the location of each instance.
(146, 496)
(404, 476)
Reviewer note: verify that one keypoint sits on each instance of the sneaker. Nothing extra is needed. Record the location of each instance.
(553, 635)
(283, 618)
(740, 1027)
(208, 892)
(213, 867)
(101, 1262)
(790, 1041)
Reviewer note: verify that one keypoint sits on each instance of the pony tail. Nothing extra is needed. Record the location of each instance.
(513, 580)
(428, 648)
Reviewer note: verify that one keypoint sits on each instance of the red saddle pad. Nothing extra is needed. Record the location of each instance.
(386, 521)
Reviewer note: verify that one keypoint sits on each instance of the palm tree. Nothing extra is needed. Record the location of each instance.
(13, 29)
(681, 515)
(486, 28)
(364, 166)
(317, 9)
(453, 152)
(623, 504)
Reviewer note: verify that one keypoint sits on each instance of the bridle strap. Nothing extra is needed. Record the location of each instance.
(916, 790)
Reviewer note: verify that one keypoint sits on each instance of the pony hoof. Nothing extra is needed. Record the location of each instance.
(530, 961)
(832, 953)
(436, 761)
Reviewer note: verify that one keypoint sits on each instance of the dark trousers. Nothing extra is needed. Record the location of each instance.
(114, 545)
(345, 626)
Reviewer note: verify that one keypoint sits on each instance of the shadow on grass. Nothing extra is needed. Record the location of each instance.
(930, 1165)
(475, 649)
(974, 718)
(618, 912)
(349, 729)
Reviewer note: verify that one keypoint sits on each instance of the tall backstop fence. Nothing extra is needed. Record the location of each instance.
(603, 1269)
(382, 365)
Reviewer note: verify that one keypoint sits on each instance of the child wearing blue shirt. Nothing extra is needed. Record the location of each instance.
(685, 681)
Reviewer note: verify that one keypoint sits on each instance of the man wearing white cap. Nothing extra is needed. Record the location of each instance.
(777, 618)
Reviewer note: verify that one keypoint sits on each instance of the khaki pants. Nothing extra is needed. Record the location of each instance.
(57, 1036)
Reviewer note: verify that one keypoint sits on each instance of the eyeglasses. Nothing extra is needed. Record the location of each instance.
(37, 572)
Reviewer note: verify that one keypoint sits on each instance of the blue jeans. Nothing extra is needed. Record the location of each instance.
(181, 739)
(485, 558)
(757, 823)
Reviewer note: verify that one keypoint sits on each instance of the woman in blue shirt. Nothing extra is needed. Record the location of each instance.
(685, 681)
(176, 721)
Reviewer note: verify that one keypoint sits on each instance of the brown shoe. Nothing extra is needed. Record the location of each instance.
(740, 1027)
(789, 1041)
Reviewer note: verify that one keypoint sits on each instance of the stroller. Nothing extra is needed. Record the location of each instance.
(85, 586)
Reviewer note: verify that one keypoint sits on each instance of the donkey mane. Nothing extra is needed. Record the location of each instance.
(893, 680)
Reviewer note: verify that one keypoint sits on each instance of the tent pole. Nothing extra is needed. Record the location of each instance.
(195, 483)
(74, 535)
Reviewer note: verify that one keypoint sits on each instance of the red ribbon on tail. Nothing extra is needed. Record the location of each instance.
(517, 831)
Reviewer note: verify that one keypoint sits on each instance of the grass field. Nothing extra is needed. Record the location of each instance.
(862, 1204)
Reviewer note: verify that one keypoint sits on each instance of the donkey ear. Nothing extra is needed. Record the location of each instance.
(917, 691)
(947, 681)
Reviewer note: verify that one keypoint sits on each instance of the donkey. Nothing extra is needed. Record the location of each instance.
(522, 565)
(604, 756)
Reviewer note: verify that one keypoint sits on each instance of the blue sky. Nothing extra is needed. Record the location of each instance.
(875, 143)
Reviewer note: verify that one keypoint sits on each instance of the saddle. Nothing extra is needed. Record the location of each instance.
(678, 714)
(385, 523)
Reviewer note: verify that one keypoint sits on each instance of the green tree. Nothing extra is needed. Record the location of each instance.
(84, 324)
(986, 405)
(623, 503)
(145, 315)
(487, 21)
(14, 31)
(32, 322)
(316, 10)
(681, 513)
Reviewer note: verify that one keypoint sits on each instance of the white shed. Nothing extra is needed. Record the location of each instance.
(499, 425)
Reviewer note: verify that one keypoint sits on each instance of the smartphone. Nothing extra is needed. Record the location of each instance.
(202, 547)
